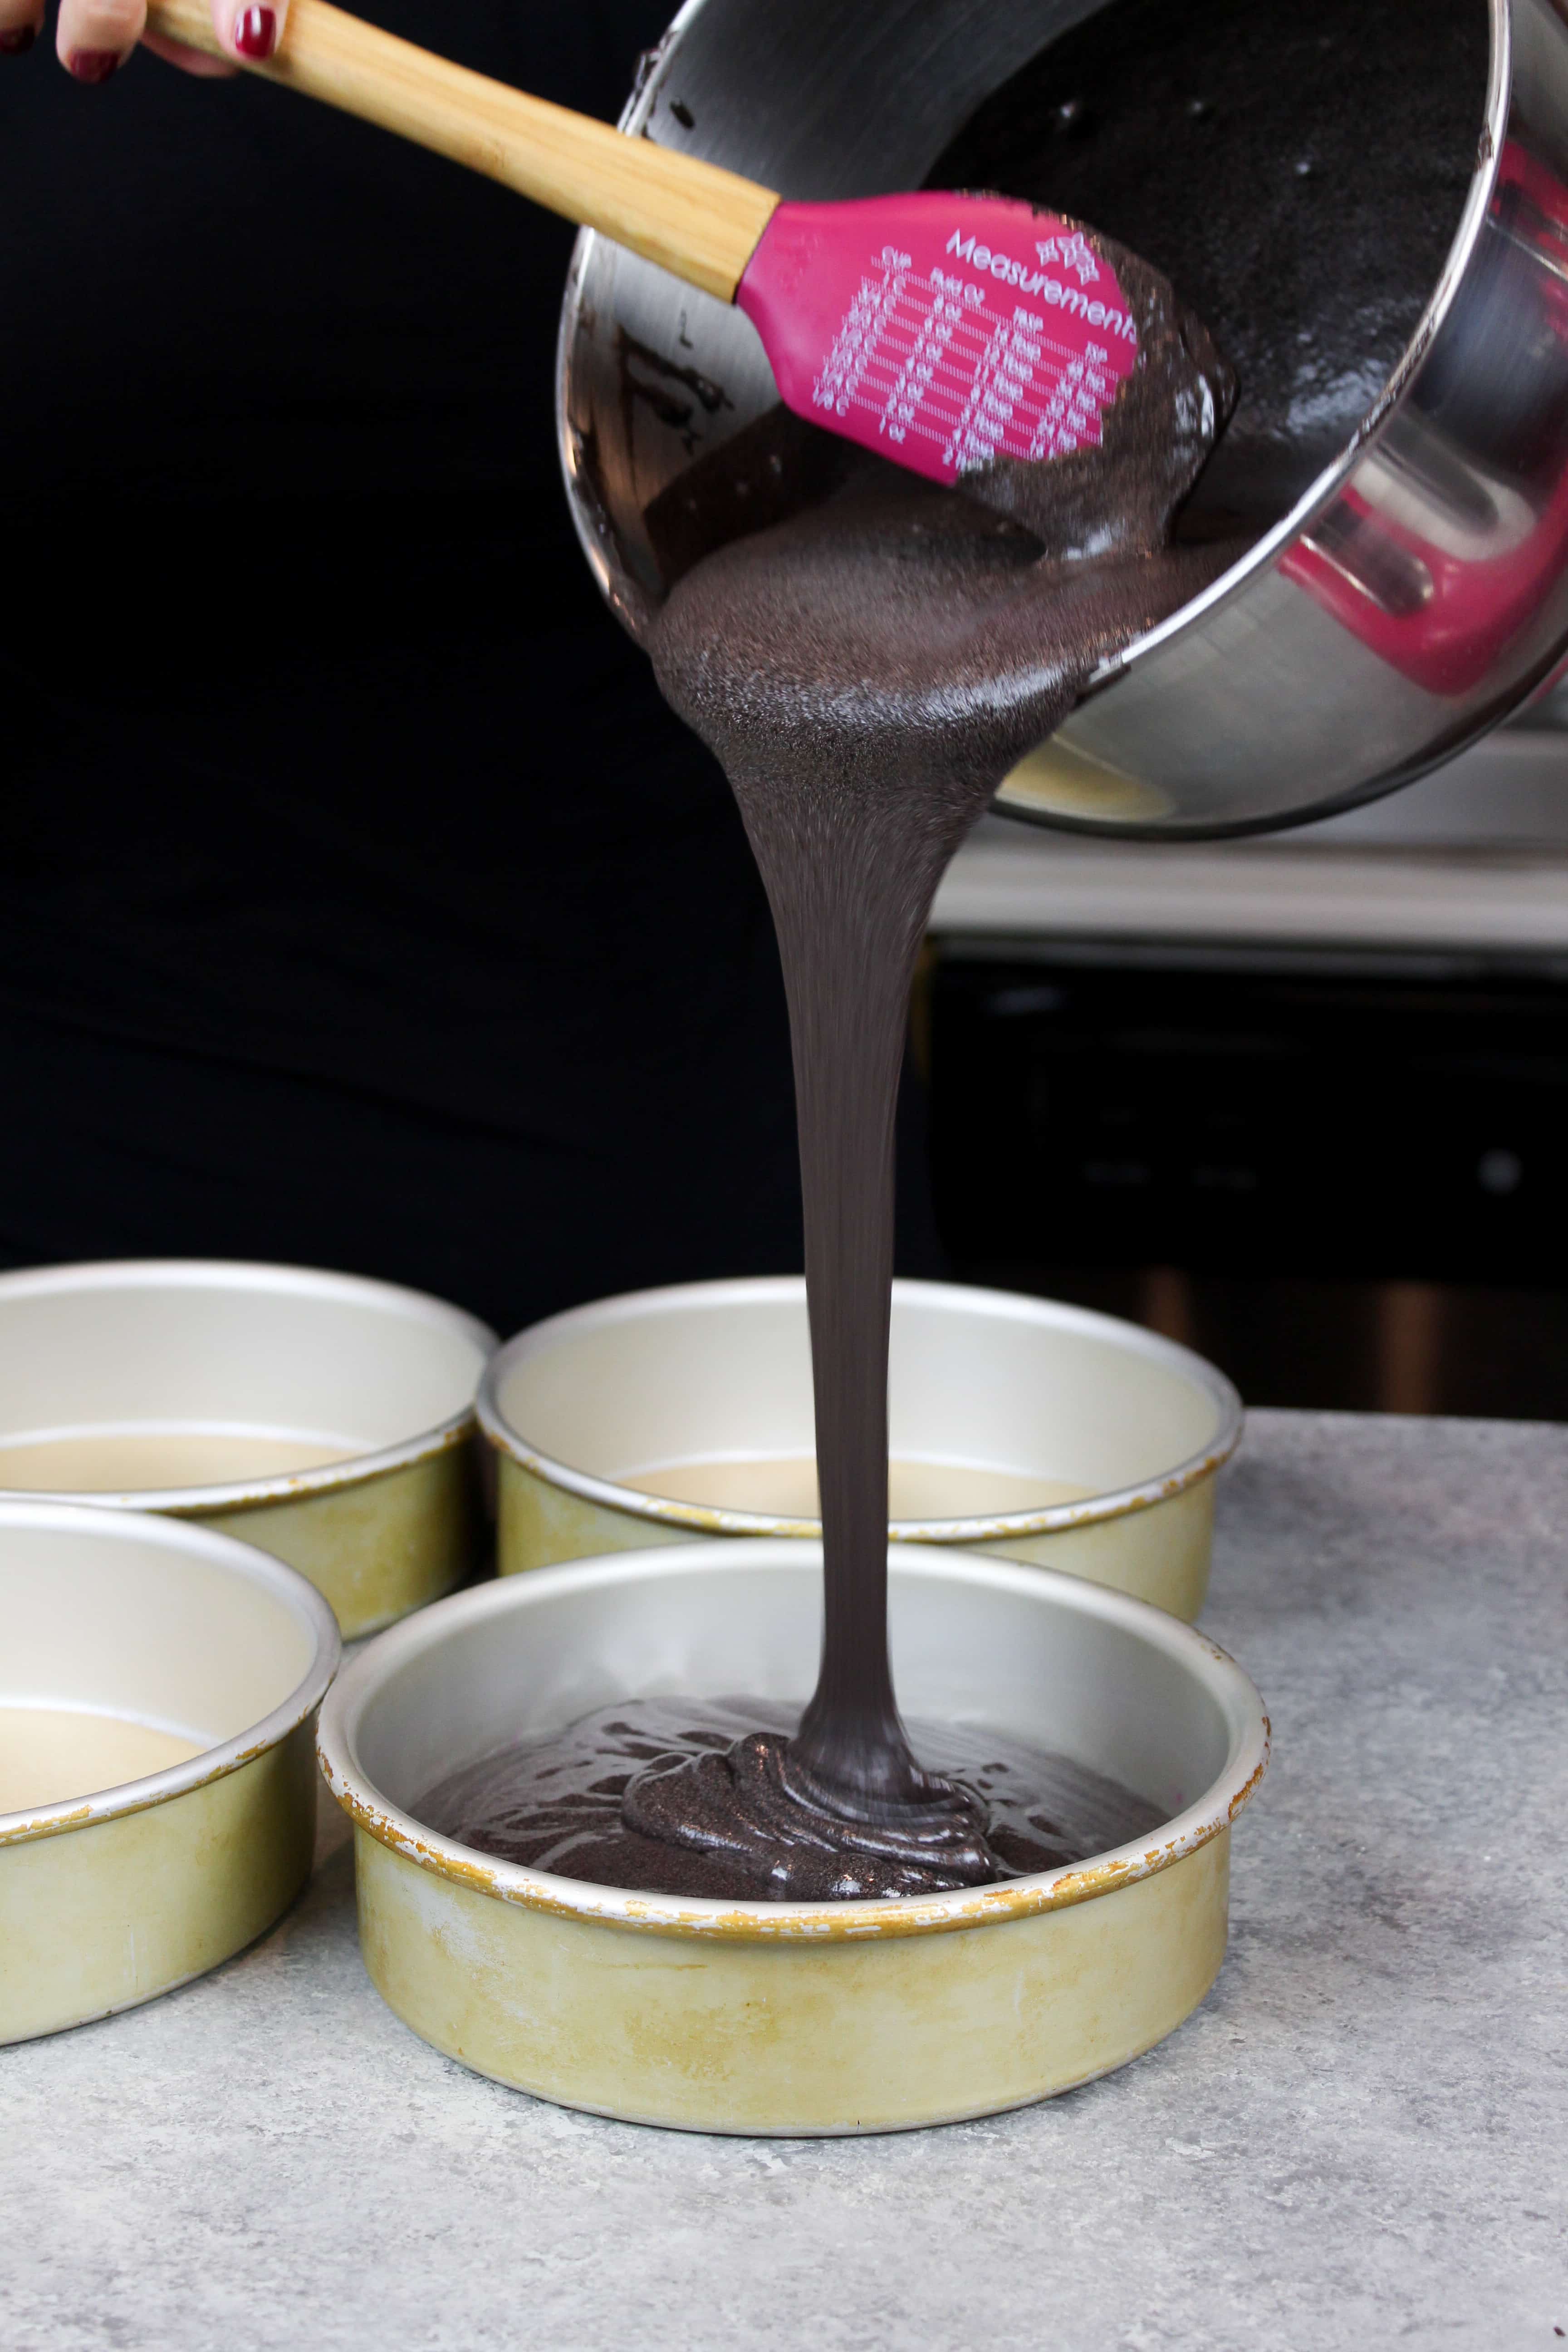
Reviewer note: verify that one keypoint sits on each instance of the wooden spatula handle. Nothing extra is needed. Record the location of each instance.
(688, 217)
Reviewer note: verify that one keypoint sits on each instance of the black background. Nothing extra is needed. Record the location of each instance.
(360, 902)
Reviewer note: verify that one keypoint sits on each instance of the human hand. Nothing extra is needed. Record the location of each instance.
(93, 38)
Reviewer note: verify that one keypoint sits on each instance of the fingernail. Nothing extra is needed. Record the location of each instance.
(16, 44)
(93, 65)
(255, 33)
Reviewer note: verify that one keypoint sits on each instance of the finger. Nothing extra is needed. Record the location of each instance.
(249, 30)
(21, 21)
(95, 36)
(192, 61)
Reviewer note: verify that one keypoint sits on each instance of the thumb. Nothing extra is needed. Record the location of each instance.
(235, 31)
(249, 30)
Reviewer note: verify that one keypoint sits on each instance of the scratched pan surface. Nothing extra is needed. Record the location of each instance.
(794, 2020)
(325, 1418)
(1133, 1427)
(129, 1641)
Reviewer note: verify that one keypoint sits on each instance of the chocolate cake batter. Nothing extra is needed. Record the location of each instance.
(557, 1804)
(1296, 168)
(869, 656)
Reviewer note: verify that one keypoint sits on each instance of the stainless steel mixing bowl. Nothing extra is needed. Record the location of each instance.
(1412, 597)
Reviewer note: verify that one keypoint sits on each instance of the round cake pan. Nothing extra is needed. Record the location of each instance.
(793, 2018)
(158, 1686)
(325, 1418)
(981, 1382)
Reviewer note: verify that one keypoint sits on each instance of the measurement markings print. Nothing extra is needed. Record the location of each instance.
(926, 358)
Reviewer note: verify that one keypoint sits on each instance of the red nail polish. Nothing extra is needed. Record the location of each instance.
(17, 43)
(93, 65)
(255, 33)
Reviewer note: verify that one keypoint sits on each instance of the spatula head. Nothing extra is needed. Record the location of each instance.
(951, 333)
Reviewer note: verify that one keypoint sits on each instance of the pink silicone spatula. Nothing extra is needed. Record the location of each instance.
(944, 330)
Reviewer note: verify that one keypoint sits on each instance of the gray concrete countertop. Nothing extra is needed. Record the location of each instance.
(1361, 2140)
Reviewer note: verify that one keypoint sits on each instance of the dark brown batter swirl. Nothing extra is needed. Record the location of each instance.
(559, 1804)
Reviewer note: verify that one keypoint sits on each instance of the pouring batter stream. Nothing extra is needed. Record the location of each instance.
(870, 656)
(868, 670)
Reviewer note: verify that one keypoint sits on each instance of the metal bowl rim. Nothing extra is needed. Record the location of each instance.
(755, 1922)
(1118, 1502)
(258, 1568)
(245, 1274)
